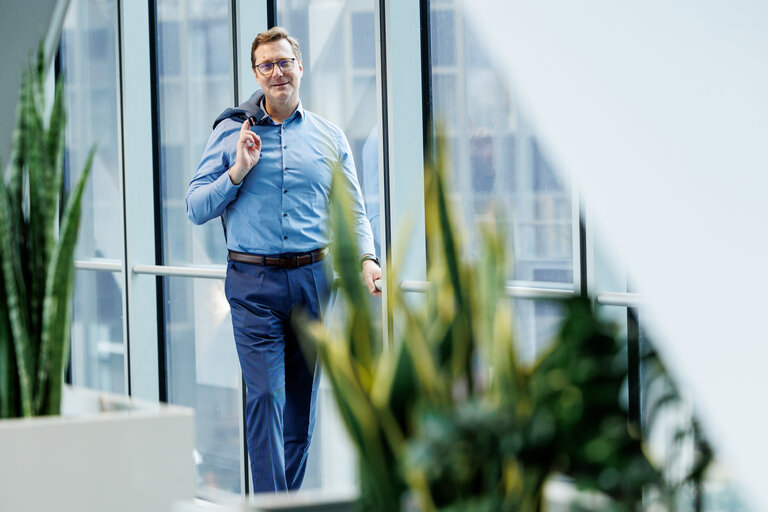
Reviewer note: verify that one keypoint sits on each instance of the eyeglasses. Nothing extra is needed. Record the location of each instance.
(266, 68)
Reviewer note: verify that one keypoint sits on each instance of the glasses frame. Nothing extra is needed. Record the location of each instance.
(276, 63)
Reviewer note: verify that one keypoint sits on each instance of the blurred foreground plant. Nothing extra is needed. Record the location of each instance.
(449, 418)
(36, 255)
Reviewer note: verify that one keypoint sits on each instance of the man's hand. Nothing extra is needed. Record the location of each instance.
(371, 272)
(248, 153)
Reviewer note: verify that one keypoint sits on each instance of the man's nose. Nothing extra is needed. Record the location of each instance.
(277, 71)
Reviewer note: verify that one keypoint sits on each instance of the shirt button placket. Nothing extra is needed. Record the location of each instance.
(285, 185)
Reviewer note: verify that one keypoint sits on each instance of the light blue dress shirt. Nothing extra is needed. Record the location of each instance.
(282, 204)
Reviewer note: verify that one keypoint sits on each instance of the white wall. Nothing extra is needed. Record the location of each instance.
(659, 111)
(23, 25)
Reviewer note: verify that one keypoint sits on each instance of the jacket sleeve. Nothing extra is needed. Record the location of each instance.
(361, 224)
(211, 190)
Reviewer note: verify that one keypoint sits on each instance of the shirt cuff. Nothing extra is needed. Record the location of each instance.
(225, 187)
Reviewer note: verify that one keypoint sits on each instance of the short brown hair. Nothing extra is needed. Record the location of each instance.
(270, 36)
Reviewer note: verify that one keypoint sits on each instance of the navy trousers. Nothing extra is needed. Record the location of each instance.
(281, 384)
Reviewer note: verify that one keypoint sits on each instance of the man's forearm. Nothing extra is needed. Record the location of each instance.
(207, 200)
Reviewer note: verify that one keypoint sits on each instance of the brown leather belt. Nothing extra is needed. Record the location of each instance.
(279, 261)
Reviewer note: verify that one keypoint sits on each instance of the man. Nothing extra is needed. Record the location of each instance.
(266, 170)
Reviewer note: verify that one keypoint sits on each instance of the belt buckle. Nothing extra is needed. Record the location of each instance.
(298, 261)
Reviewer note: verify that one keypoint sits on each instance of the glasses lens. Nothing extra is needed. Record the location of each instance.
(285, 64)
(266, 67)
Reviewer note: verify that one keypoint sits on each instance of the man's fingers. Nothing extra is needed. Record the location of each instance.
(370, 282)
(249, 138)
(252, 138)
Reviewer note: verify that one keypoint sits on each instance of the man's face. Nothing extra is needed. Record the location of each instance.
(280, 87)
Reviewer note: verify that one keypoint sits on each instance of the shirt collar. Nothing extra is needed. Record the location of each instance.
(299, 112)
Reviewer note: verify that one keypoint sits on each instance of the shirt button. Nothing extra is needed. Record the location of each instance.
(285, 238)
(285, 215)
(285, 191)
(285, 147)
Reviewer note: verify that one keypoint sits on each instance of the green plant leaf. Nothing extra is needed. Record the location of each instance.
(57, 316)
(15, 300)
(9, 392)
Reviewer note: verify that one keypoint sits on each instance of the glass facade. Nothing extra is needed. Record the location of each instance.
(499, 166)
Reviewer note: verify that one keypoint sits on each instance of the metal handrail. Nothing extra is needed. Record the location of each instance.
(512, 291)
(627, 300)
(218, 272)
(99, 264)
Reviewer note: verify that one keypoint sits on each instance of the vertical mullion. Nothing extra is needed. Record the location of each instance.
(633, 367)
(426, 73)
(121, 174)
(235, 71)
(583, 279)
(271, 13)
(154, 77)
(385, 219)
(138, 156)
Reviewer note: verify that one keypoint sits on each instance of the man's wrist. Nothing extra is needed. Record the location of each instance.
(369, 257)
(236, 175)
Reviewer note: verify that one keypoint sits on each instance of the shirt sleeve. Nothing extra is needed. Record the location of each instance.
(362, 226)
(211, 190)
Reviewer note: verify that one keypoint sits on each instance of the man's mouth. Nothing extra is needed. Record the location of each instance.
(280, 84)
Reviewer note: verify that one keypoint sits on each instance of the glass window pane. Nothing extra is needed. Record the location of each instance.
(497, 161)
(203, 373)
(89, 70)
(194, 58)
(608, 273)
(444, 49)
(363, 51)
(536, 324)
(98, 347)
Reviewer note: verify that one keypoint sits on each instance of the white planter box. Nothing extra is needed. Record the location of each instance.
(315, 500)
(104, 453)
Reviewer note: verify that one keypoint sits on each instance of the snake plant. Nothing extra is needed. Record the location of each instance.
(37, 244)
